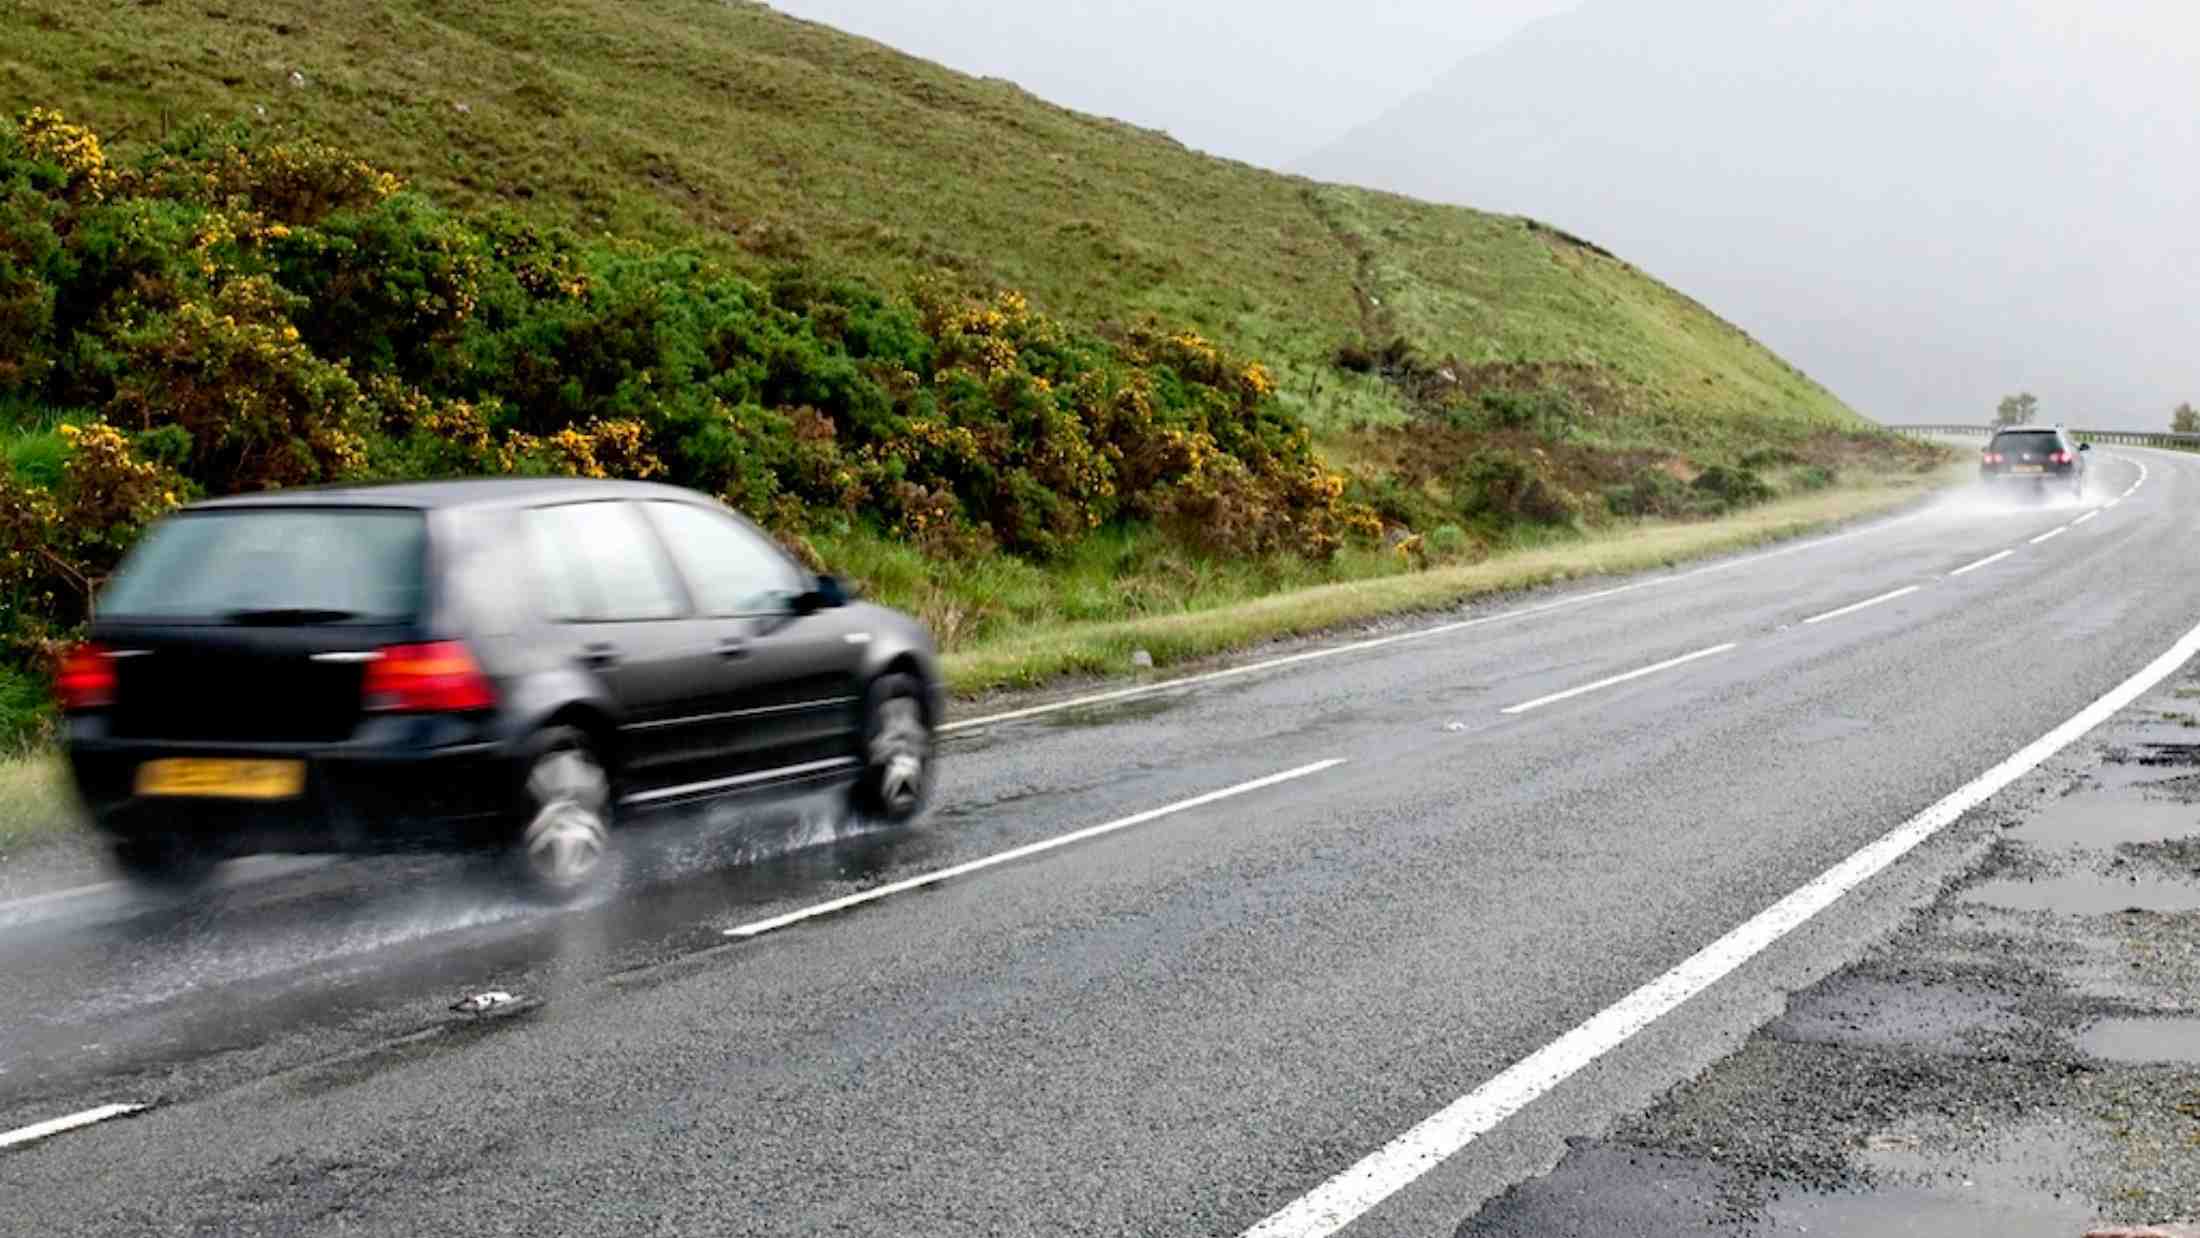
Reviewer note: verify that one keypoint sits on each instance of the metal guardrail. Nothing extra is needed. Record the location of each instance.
(2122, 438)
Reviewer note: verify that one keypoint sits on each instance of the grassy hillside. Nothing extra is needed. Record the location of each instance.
(763, 139)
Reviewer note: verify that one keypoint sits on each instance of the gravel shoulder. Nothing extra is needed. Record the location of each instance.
(2022, 1059)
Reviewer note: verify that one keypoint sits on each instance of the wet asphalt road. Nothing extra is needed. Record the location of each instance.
(1177, 1028)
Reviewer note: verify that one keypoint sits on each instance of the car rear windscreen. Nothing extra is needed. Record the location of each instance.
(303, 565)
(2039, 445)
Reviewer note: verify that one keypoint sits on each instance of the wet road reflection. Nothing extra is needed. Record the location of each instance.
(121, 989)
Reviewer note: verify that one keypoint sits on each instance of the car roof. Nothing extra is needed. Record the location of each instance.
(479, 492)
(2028, 430)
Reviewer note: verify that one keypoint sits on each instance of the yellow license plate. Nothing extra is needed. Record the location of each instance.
(203, 778)
(2026, 468)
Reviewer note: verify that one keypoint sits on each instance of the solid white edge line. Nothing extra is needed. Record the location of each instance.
(2111, 503)
(1616, 680)
(761, 927)
(1351, 1194)
(2082, 519)
(1866, 604)
(1988, 561)
(2050, 535)
(74, 1121)
(1445, 629)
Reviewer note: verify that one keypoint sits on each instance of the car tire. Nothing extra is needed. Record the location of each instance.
(564, 843)
(896, 782)
(161, 865)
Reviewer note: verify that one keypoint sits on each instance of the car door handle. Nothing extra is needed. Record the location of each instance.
(733, 647)
(600, 655)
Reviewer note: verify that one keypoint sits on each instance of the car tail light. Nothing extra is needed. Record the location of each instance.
(87, 680)
(2060, 457)
(1993, 457)
(439, 678)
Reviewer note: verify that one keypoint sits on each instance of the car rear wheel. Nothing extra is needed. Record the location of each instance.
(897, 751)
(162, 865)
(565, 843)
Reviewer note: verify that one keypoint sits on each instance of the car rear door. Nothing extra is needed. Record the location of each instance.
(618, 610)
(790, 677)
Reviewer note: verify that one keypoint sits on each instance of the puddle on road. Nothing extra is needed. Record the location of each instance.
(2087, 894)
(1928, 1212)
(1852, 1010)
(2020, 1188)
(1113, 713)
(2101, 821)
(2143, 1041)
(2121, 778)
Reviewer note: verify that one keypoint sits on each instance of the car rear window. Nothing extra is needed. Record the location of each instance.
(310, 565)
(2041, 444)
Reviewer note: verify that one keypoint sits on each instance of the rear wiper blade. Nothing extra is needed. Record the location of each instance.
(279, 617)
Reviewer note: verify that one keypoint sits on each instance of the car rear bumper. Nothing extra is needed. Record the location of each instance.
(356, 797)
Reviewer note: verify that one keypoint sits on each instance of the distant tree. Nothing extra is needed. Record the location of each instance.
(2017, 410)
(2186, 420)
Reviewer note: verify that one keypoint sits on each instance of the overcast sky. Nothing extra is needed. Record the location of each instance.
(1926, 204)
(1266, 81)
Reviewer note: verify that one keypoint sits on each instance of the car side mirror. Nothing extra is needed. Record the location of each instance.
(2085, 447)
(828, 594)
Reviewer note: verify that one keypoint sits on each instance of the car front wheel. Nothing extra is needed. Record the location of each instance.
(897, 751)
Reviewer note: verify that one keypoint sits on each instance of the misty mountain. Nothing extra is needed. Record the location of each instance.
(1925, 203)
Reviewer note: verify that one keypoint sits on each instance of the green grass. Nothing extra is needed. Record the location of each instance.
(762, 138)
(1041, 648)
(31, 450)
(36, 805)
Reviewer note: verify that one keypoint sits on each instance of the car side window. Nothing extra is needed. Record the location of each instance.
(601, 564)
(487, 583)
(730, 569)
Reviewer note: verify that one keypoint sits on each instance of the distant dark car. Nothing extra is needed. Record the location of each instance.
(2044, 460)
(487, 664)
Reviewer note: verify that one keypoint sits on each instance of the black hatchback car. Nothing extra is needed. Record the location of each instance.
(516, 664)
(2044, 460)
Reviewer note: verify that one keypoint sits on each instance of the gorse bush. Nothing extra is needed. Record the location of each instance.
(238, 315)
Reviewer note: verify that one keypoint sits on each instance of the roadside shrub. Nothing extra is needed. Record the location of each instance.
(242, 315)
(1355, 358)
(1547, 411)
(1652, 492)
(384, 286)
(1448, 541)
(30, 267)
(1736, 487)
(261, 410)
(1399, 357)
(57, 545)
(1816, 477)
(26, 711)
(1507, 486)
(1397, 501)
